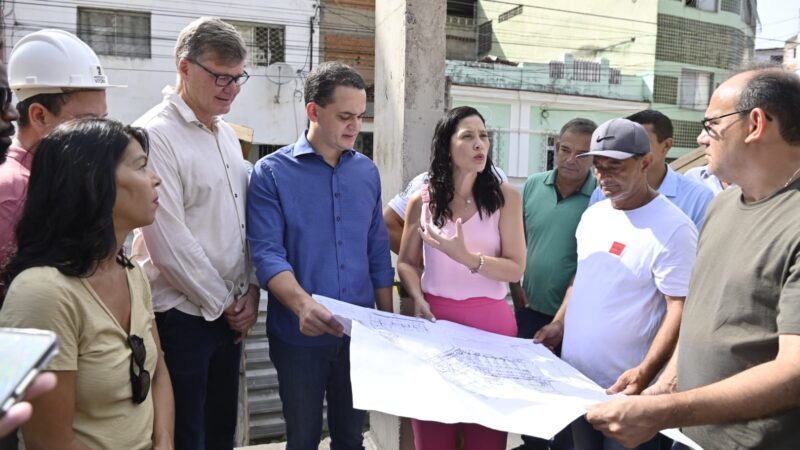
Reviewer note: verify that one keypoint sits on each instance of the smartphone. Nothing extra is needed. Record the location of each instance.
(23, 354)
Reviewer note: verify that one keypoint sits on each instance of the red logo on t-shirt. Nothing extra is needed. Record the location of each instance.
(617, 248)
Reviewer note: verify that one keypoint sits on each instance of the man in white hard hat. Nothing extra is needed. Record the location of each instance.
(205, 293)
(56, 78)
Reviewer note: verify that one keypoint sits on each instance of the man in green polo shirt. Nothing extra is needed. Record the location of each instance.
(553, 203)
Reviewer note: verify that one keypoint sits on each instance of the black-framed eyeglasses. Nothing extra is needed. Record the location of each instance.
(706, 122)
(221, 79)
(140, 382)
(6, 96)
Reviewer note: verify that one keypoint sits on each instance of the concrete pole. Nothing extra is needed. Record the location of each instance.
(409, 87)
(409, 99)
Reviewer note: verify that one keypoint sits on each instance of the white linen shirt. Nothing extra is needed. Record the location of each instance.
(195, 253)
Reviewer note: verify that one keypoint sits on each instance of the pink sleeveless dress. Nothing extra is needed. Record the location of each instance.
(471, 299)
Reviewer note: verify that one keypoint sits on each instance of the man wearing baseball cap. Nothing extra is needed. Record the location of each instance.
(690, 196)
(620, 317)
(56, 77)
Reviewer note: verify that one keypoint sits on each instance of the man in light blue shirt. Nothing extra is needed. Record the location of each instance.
(690, 196)
(707, 179)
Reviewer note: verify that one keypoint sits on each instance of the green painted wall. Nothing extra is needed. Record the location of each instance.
(498, 121)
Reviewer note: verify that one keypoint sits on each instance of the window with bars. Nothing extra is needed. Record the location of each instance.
(115, 32)
(587, 71)
(266, 44)
(556, 70)
(485, 37)
(695, 89)
(549, 161)
(614, 76)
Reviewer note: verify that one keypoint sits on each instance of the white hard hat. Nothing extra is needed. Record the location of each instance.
(53, 61)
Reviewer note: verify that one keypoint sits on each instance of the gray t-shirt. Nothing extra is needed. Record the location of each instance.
(744, 294)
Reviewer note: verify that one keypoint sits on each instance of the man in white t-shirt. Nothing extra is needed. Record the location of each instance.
(394, 214)
(620, 318)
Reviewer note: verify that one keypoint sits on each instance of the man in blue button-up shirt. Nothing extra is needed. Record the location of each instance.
(315, 226)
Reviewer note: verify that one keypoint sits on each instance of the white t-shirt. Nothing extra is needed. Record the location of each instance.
(400, 201)
(626, 261)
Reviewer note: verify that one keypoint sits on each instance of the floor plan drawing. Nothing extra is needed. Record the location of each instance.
(490, 375)
(448, 372)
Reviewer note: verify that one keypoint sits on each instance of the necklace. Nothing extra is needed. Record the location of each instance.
(467, 201)
(792, 177)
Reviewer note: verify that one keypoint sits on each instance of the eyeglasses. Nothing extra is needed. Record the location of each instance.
(223, 80)
(139, 382)
(706, 122)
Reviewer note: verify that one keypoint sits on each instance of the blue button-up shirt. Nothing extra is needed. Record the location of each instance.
(322, 223)
(690, 196)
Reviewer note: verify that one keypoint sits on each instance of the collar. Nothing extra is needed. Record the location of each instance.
(669, 185)
(171, 95)
(303, 147)
(22, 156)
(586, 189)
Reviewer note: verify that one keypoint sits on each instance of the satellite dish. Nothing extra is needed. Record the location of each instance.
(280, 73)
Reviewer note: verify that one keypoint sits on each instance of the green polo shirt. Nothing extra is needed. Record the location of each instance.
(550, 231)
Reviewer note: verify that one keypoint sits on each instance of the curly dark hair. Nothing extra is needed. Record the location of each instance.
(486, 190)
(67, 220)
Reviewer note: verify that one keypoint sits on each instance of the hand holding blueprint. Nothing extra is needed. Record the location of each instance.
(450, 373)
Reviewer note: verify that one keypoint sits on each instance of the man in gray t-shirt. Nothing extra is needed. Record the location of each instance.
(734, 381)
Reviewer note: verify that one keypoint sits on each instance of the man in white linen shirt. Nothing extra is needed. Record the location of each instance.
(204, 291)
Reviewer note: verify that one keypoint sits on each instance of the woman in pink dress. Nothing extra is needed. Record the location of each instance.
(463, 242)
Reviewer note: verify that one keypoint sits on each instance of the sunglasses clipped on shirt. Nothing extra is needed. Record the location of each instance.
(140, 382)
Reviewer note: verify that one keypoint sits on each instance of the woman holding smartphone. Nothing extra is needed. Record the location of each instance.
(462, 244)
(90, 186)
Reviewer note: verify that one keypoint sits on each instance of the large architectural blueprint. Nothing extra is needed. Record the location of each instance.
(447, 372)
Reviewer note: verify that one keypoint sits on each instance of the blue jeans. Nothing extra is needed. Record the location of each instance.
(585, 437)
(203, 363)
(530, 321)
(306, 376)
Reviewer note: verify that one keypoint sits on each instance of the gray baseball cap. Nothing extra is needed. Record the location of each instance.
(619, 139)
